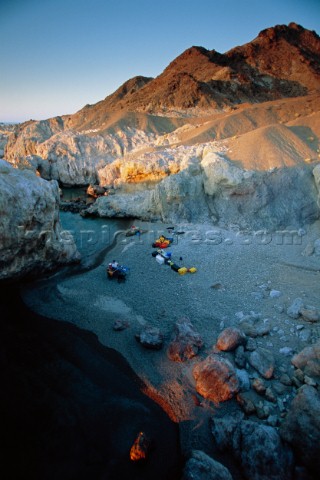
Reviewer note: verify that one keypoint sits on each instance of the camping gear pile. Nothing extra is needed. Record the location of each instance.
(117, 271)
(133, 231)
(163, 257)
(162, 242)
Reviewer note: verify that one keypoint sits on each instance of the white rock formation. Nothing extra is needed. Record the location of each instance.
(199, 183)
(163, 177)
(5, 130)
(73, 158)
(31, 240)
(219, 173)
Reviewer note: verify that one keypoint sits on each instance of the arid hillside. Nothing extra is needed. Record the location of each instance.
(213, 133)
(281, 62)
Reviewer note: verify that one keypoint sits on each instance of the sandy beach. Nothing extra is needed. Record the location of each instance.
(235, 273)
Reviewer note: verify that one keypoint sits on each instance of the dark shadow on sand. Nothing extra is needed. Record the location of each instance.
(71, 408)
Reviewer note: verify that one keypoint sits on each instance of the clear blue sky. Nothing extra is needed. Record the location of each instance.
(58, 55)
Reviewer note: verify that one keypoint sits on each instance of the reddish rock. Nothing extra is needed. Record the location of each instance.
(216, 379)
(140, 448)
(310, 314)
(185, 343)
(230, 338)
(259, 386)
(206, 78)
(308, 360)
(95, 190)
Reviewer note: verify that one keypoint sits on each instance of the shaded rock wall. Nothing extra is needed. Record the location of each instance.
(31, 240)
(212, 189)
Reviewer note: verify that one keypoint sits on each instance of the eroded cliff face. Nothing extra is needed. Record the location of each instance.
(31, 238)
(230, 138)
(70, 157)
(265, 177)
(210, 188)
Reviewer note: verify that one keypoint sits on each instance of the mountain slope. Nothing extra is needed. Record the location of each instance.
(218, 137)
(282, 61)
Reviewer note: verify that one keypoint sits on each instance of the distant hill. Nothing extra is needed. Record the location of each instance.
(283, 61)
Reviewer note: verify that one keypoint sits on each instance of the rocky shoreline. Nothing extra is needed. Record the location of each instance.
(228, 291)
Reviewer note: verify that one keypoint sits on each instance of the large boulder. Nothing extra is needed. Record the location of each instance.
(230, 338)
(257, 199)
(150, 337)
(226, 431)
(258, 448)
(308, 360)
(31, 238)
(202, 467)
(262, 453)
(219, 174)
(301, 427)
(123, 205)
(263, 361)
(216, 379)
(185, 342)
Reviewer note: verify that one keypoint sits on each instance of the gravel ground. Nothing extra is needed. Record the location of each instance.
(235, 273)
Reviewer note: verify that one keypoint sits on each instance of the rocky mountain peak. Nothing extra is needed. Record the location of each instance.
(287, 40)
(282, 61)
(128, 88)
(293, 33)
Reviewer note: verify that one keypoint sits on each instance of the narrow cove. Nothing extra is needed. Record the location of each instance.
(71, 407)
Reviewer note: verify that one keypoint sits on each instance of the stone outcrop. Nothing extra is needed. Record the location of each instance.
(71, 157)
(5, 131)
(208, 187)
(308, 360)
(202, 467)
(230, 338)
(301, 427)
(263, 361)
(216, 379)
(258, 448)
(150, 337)
(185, 342)
(31, 238)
